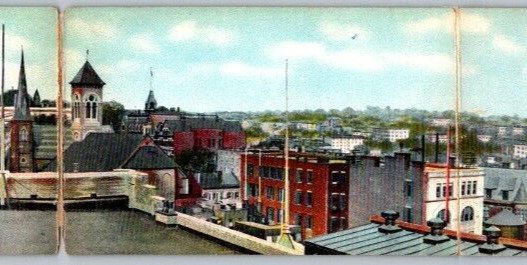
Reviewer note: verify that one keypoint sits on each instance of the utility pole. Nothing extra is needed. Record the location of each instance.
(2, 121)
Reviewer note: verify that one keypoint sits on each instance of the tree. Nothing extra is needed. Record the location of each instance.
(113, 113)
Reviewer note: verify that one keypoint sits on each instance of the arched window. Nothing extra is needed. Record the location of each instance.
(91, 107)
(76, 106)
(23, 134)
(441, 215)
(467, 214)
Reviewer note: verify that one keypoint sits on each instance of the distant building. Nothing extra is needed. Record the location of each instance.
(345, 144)
(318, 190)
(305, 126)
(22, 149)
(484, 138)
(505, 189)
(518, 130)
(441, 122)
(502, 131)
(418, 191)
(520, 150)
(398, 134)
(87, 101)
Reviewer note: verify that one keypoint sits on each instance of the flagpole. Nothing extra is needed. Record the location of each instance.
(2, 121)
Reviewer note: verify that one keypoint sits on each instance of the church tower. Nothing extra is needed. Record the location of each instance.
(22, 158)
(86, 98)
(151, 103)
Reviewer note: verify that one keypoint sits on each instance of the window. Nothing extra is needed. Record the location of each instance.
(308, 221)
(409, 216)
(334, 201)
(309, 198)
(298, 176)
(279, 216)
(280, 194)
(250, 170)
(438, 190)
(309, 176)
(450, 189)
(298, 219)
(463, 187)
(270, 214)
(408, 188)
(488, 193)
(336, 177)
(469, 187)
(253, 190)
(76, 107)
(23, 134)
(334, 224)
(474, 187)
(467, 214)
(441, 215)
(298, 197)
(269, 193)
(505, 195)
(91, 107)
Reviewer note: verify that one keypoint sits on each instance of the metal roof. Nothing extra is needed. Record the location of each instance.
(513, 181)
(87, 76)
(506, 218)
(368, 240)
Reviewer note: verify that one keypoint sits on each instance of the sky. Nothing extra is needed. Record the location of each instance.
(233, 59)
(496, 82)
(35, 29)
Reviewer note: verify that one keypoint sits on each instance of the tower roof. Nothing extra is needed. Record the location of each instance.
(87, 76)
(22, 99)
(151, 102)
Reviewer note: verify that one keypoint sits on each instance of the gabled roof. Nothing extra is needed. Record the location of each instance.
(87, 77)
(214, 181)
(149, 157)
(513, 181)
(99, 152)
(506, 218)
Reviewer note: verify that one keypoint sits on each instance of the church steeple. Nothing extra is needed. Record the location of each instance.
(22, 98)
(151, 103)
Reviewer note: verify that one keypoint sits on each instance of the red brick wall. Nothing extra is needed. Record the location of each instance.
(320, 189)
(233, 140)
(183, 141)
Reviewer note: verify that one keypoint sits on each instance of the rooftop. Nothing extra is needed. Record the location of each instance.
(388, 236)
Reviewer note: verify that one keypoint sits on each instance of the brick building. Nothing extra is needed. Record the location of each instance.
(318, 190)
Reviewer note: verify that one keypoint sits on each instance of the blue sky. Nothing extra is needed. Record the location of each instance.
(36, 30)
(210, 59)
(494, 58)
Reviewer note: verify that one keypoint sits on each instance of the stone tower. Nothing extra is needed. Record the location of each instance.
(86, 98)
(22, 151)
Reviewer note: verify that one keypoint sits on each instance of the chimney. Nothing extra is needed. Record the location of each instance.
(436, 232)
(492, 246)
(389, 225)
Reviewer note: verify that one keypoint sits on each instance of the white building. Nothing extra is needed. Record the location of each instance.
(440, 122)
(502, 131)
(520, 150)
(484, 138)
(431, 138)
(345, 144)
(517, 130)
(470, 192)
(398, 134)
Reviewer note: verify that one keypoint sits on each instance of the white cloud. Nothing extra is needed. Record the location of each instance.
(188, 31)
(342, 32)
(361, 60)
(245, 70)
(91, 29)
(507, 45)
(469, 23)
(143, 43)
(474, 23)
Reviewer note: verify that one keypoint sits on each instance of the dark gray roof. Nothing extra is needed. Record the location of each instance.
(214, 181)
(513, 181)
(87, 77)
(151, 103)
(22, 100)
(99, 152)
(368, 240)
(149, 157)
(506, 218)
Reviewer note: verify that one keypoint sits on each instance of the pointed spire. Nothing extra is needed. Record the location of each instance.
(22, 98)
(87, 76)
